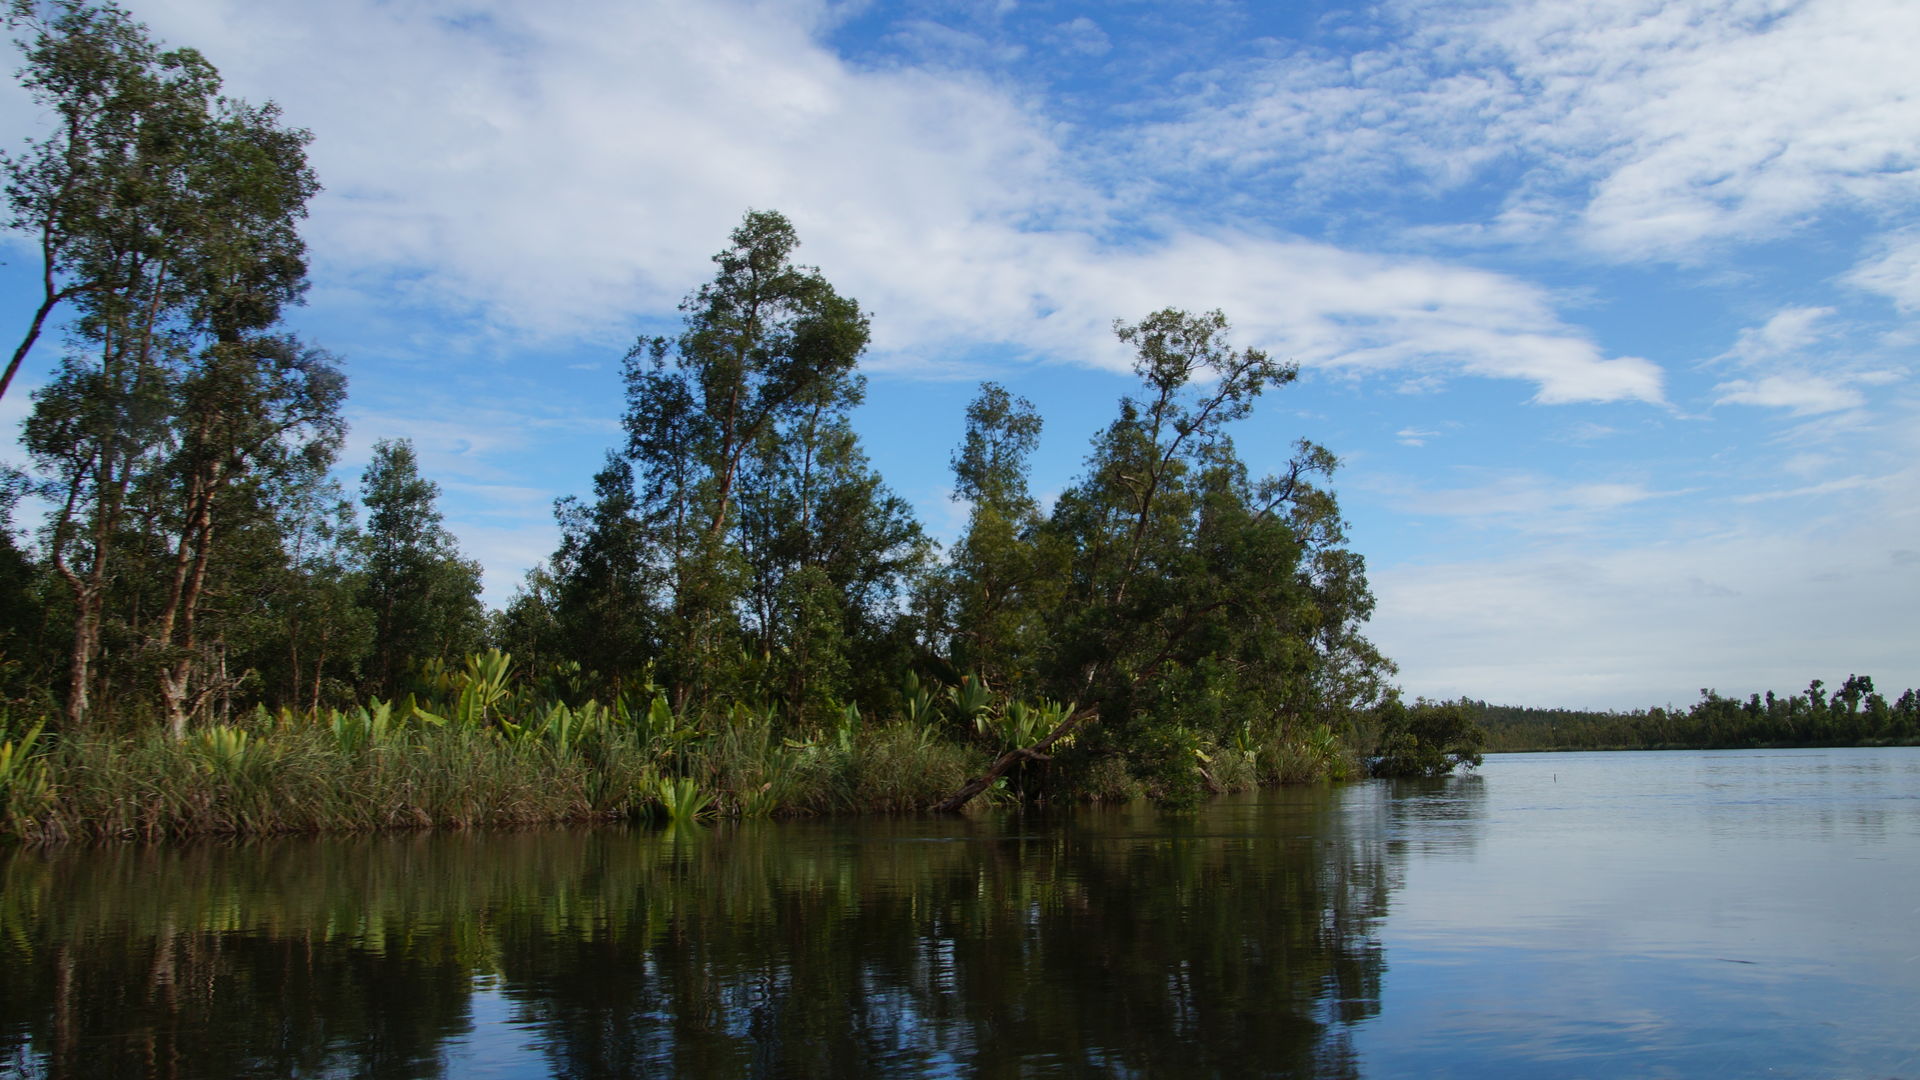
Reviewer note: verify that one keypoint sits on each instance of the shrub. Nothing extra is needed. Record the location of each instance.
(1429, 739)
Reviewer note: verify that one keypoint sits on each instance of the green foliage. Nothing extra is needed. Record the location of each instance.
(483, 687)
(1430, 738)
(680, 799)
(1019, 725)
(918, 699)
(1191, 604)
(424, 595)
(23, 777)
(166, 218)
(362, 727)
(970, 698)
(1004, 574)
(774, 538)
(229, 752)
(152, 197)
(601, 583)
(1855, 716)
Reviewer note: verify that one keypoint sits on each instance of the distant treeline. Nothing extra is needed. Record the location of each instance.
(1855, 714)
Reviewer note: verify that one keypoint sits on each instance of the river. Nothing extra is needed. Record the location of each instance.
(1736, 913)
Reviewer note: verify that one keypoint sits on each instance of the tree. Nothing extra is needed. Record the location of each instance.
(528, 628)
(1178, 619)
(1003, 578)
(766, 344)
(263, 412)
(318, 627)
(602, 577)
(118, 100)
(167, 216)
(27, 664)
(827, 550)
(424, 595)
(1134, 524)
(94, 429)
(1349, 673)
(1431, 738)
(152, 193)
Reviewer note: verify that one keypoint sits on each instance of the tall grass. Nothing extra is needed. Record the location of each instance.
(236, 781)
(377, 768)
(477, 754)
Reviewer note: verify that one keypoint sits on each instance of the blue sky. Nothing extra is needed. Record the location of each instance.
(1606, 305)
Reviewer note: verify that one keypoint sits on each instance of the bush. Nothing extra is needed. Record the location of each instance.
(1430, 739)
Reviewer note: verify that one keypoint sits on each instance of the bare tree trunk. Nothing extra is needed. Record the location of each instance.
(319, 666)
(88, 598)
(176, 630)
(86, 640)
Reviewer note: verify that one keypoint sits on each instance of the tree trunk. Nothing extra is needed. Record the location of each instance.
(86, 638)
(183, 597)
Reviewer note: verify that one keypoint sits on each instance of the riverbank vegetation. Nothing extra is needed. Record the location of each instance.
(1854, 714)
(206, 633)
(494, 750)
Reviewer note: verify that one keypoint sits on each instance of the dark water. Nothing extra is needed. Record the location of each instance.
(1719, 914)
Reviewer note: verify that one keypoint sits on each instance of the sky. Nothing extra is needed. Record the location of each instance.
(1607, 306)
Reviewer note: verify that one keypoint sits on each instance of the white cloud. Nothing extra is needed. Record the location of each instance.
(1413, 436)
(557, 171)
(1586, 431)
(1641, 626)
(1788, 368)
(1647, 128)
(1788, 331)
(468, 442)
(1055, 294)
(1830, 487)
(1720, 120)
(1728, 592)
(1805, 395)
(1526, 503)
(505, 552)
(1083, 35)
(1895, 272)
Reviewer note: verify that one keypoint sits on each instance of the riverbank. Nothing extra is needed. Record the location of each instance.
(390, 768)
(1868, 744)
(1853, 714)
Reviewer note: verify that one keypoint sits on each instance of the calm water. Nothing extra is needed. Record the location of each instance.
(1732, 914)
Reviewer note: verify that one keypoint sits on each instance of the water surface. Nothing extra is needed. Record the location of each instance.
(1650, 914)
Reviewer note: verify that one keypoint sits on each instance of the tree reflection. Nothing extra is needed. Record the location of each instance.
(1118, 943)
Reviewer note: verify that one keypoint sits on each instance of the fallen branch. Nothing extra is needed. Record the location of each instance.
(1036, 752)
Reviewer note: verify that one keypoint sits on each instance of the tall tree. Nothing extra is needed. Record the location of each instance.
(603, 578)
(766, 341)
(151, 191)
(119, 103)
(1191, 594)
(827, 550)
(424, 595)
(318, 632)
(167, 215)
(1131, 523)
(261, 412)
(1004, 575)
